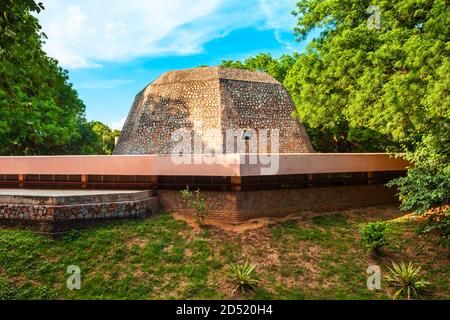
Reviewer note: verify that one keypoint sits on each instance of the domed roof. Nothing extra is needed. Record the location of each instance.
(218, 98)
(210, 73)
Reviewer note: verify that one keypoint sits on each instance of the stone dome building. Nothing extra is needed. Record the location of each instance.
(217, 98)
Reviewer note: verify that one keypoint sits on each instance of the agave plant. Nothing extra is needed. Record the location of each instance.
(243, 276)
(405, 278)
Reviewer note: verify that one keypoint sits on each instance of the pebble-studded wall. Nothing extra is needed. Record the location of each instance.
(218, 98)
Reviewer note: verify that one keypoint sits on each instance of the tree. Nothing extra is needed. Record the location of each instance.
(277, 68)
(363, 88)
(95, 138)
(40, 112)
(38, 105)
(105, 138)
(388, 85)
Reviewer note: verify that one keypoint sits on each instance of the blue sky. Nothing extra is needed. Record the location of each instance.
(113, 49)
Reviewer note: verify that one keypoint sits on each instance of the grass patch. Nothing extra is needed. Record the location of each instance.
(330, 220)
(317, 257)
(296, 232)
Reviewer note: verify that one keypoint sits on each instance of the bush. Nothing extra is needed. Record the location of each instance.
(405, 278)
(438, 220)
(197, 203)
(243, 276)
(373, 235)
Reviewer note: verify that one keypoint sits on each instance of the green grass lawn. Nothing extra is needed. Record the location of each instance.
(313, 257)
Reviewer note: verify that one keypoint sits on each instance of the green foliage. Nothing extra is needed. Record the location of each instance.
(427, 184)
(72, 235)
(100, 139)
(293, 230)
(163, 258)
(197, 203)
(385, 84)
(373, 235)
(106, 136)
(327, 220)
(405, 279)
(338, 138)
(424, 188)
(264, 62)
(40, 112)
(438, 220)
(38, 107)
(387, 88)
(242, 276)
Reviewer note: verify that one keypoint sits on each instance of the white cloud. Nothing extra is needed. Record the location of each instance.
(276, 9)
(278, 13)
(104, 84)
(84, 33)
(118, 125)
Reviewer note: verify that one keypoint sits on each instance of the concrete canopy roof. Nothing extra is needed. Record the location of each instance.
(230, 165)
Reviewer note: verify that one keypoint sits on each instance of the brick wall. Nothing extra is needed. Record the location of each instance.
(241, 206)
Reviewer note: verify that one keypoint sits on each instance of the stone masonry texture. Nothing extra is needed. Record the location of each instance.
(68, 212)
(220, 98)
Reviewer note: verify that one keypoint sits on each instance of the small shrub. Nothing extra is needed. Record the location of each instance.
(243, 276)
(405, 278)
(197, 203)
(373, 235)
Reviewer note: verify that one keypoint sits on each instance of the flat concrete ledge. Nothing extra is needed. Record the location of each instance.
(227, 165)
(69, 197)
(316, 163)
